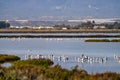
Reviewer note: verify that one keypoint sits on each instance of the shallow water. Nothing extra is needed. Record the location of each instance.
(6, 64)
(70, 47)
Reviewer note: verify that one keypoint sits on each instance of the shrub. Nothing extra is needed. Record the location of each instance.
(8, 58)
(37, 62)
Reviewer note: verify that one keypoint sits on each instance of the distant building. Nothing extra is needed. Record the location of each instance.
(99, 27)
(31, 27)
(41, 27)
(19, 27)
(64, 28)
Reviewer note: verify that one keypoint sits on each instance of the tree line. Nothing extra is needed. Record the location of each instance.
(4, 24)
(90, 25)
(83, 25)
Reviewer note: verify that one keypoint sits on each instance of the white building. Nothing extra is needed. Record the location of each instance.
(99, 27)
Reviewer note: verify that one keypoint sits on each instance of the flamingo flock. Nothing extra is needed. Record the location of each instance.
(82, 58)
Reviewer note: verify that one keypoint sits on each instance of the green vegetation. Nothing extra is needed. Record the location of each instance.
(8, 58)
(102, 40)
(90, 25)
(43, 69)
(4, 25)
(115, 40)
(36, 62)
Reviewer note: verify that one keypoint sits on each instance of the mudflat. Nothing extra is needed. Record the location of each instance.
(60, 31)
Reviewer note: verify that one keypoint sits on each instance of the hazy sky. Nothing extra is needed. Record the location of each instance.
(58, 9)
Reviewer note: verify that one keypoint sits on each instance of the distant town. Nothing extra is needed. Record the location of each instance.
(62, 25)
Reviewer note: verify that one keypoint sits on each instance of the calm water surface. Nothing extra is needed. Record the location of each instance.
(60, 34)
(70, 47)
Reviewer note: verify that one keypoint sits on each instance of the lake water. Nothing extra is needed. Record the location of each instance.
(60, 34)
(70, 47)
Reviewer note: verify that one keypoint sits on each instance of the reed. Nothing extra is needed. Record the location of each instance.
(102, 40)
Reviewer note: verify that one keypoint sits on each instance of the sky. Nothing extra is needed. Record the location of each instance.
(58, 9)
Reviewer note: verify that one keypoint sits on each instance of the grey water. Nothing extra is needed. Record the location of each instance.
(70, 47)
(60, 34)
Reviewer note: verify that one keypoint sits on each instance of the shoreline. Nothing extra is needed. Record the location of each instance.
(15, 31)
(60, 31)
(59, 36)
